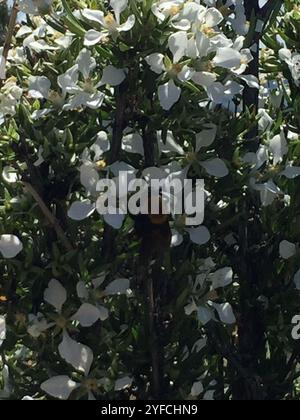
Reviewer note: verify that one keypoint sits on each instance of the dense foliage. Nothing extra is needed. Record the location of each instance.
(115, 306)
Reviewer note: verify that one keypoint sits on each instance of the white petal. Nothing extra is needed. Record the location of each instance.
(209, 395)
(177, 238)
(94, 15)
(59, 387)
(213, 17)
(169, 145)
(86, 63)
(81, 210)
(168, 95)
(178, 45)
(101, 145)
(291, 172)
(2, 329)
(104, 314)
(215, 167)
(123, 383)
(113, 76)
(118, 7)
(285, 55)
(87, 315)
(206, 137)
(287, 250)
(227, 58)
(251, 80)
(128, 25)
(76, 354)
(204, 315)
(114, 220)
(204, 78)
(82, 291)
(10, 175)
(2, 67)
(93, 37)
(199, 235)
(10, 246)
(278, 147)
(225, 313)
(133, 143)
(190, 308)
(39, 87)
(55, 295)
(89, 177)
(297, 280)
(222, 277)
(156, 63)
(95, 101)
(197, 389)
(117, 287)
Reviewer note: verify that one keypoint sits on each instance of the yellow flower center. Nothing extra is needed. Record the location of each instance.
(174, 10)
(91, 384)
(192, 157)
(101, 164)
(61, 322)
(175, 69)
(110, 20)
(88, 86)
(207, 30)
(55, 97)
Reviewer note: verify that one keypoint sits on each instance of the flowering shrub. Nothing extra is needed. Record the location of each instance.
(104, 306)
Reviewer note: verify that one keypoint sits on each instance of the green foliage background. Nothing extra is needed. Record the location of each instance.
(255, 359)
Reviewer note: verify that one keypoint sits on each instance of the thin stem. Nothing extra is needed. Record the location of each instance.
(49, 216)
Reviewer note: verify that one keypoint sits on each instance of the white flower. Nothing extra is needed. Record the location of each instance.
(89, 176)
(206, 311)
(214, 166)
(169, 93)
(83, 93)
(111, 22)
(269, 191)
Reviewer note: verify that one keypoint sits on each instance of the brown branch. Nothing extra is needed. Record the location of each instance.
(49, 216)
(10, 32)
